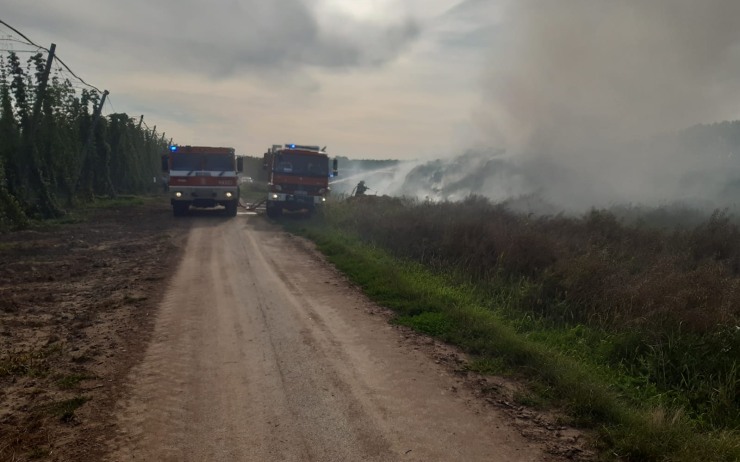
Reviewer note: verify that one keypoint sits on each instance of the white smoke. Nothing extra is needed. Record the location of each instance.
(585, 100)
(584, 87)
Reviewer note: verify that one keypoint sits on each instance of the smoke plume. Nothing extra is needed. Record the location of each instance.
(589, 100)
(589, 95)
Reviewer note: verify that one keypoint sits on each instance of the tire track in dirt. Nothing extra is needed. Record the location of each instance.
(261, 351)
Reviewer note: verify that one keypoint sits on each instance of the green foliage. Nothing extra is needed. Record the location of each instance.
(70, 381)
(65, 410)
(11, 212)
(49, 153)
(632, 329)
(432, 323)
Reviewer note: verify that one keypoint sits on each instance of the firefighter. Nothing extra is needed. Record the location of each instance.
(360, 188)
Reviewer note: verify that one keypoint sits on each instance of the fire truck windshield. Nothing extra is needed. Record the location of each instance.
(302, 165)
(198, 162)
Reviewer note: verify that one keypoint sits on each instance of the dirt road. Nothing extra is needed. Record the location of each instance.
(262, 352)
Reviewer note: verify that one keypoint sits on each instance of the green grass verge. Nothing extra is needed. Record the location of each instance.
(82, 211)
(560, 373)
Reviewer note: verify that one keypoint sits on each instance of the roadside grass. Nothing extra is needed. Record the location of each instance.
(39, 364)
(23, 364)
(21, 247)
(70, 381)
(574, 366)
(9, 246)
(121, 200)
(81, 212)
(39, 453)
(133, 299)
(661, 306)
(29, 363)
(64, 410)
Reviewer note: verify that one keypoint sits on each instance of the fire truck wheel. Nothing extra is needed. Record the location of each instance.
(180, 209)
(274, 212)
(231, 209)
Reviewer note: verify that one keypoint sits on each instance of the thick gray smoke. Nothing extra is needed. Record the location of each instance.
(587, 99)
(574, 73)
(590, 91)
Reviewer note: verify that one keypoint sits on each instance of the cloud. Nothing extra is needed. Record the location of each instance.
(220, 38)
(371, 80)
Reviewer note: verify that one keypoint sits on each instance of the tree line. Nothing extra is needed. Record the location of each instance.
(54, 154)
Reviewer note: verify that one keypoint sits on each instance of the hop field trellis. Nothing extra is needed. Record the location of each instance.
(54, 150)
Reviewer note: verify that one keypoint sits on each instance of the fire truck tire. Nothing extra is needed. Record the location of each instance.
(273, 211)
(231, 208)
(180, 209)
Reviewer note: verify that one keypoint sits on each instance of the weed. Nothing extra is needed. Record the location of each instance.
(65, 410)
(432, 323)
(529, 399)
(132, 299)
(39, 453)
(67, 382)
(29, 363)
(32, 364)
(119, 201)
(488, 366)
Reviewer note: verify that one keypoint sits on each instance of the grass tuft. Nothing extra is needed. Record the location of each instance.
(65, 410)
(70, 381)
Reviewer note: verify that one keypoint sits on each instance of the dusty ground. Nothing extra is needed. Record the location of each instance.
(77, 303)
(105, 353)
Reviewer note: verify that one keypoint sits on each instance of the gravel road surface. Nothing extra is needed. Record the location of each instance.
(261, 351)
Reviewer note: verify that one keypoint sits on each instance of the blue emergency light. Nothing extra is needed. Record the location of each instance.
(173, 148)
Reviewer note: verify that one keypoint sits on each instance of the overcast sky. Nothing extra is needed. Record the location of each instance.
(369, 79)
(406, 79)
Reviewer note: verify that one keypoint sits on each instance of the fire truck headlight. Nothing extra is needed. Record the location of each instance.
(228, 194)
(274, 196)
(178, 194)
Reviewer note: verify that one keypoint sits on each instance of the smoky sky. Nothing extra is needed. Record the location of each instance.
(576, 88)
(220, 38)
(585, 103)
(571, 70)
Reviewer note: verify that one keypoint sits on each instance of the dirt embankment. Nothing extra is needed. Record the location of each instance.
(76, 309)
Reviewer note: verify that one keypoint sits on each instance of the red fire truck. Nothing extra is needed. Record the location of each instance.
(202, 176)
(297, 177)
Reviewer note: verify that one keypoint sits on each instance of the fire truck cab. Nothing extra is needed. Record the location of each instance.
(202, 176)
(297, 177)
